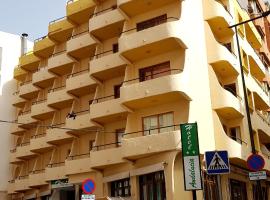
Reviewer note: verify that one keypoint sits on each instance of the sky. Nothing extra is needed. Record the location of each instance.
(30, 16)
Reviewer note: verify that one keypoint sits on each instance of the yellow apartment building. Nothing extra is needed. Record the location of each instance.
(103, 93)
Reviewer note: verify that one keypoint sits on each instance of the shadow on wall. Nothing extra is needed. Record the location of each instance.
(7, 112)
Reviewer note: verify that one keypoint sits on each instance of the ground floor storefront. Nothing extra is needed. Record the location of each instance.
(151, 177)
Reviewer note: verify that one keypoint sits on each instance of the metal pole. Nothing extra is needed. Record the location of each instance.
(219, 187)
(194, 194)
(253, 149)
(245, 94)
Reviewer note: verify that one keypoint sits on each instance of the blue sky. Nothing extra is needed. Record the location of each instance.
(30, 16)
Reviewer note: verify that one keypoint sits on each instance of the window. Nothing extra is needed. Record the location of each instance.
(120, 188)
(119, 135)
(152, 186)
(115, 48)
(238, 190)
(154, 124)
(117, 91)
(234, 133)
(154, 71)
(151, 22)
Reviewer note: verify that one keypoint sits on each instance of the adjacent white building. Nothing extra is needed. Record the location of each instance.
(11, 47)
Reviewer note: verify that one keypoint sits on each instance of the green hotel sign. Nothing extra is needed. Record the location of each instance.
(191, 156)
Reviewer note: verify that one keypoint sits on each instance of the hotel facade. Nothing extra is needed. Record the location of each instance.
(103, 94)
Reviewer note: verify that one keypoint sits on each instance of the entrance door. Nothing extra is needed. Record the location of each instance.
(238, 190)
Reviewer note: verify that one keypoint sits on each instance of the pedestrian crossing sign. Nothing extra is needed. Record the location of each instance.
(217, 162)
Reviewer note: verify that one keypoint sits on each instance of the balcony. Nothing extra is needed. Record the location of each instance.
(236, 149)
(226, 103)
(60, 30)
(81, 45)
(79, 11)
(43, 78)
(104, 156)
(107, 23)
(37, 178)
(28, 90)
(38, 143)
(156, 91)
(137, 45)
(107, 67)
(220, 58)
(41, 111)
(257, 68)
(59, 98)
(16, 129)
(29, 61)
(11, 187)
(136, 146)
(60, 63)
(23, 151)
(219, 19)
(22, 184)
(260, 122)
(78, 164)
(79, 83)
(25, 119)
(82, 122)
(43, 47)
(13, 158)
(18, 101)
(19, 74)
(133, 7)
(261, 98)
(58, 136)
(107, 109)
(55, 171)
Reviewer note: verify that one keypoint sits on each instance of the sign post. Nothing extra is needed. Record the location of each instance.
(88, 186)
(217, 163)
(191, 158)
(255, 163)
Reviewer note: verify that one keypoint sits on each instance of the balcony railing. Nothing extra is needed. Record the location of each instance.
(39, 171)
(12, 181)
(102, 99)
(57, 89)
(38, 136)
(58, 53)
(25, 112)
(106, 146)
(78, 73)
(157, 130)
(39, 101)
(23, 177)
(57, 20)
(40, 38)
(148, 77)
(168, 19)
(105, 10)
(104, 53)
(26, 82)
(80, 33)
(79, 156)
(58, 164)
(23, 144)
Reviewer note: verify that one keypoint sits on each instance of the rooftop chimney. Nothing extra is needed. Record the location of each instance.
(24, 43)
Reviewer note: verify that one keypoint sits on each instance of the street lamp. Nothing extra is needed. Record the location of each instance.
(262, 15)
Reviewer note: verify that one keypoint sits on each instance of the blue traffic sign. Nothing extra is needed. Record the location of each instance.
(88, 186)
(217, 162)
(255, 162)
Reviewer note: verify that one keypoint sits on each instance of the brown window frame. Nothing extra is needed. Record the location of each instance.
(157, 115)
(155, 21)
(151, 69)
